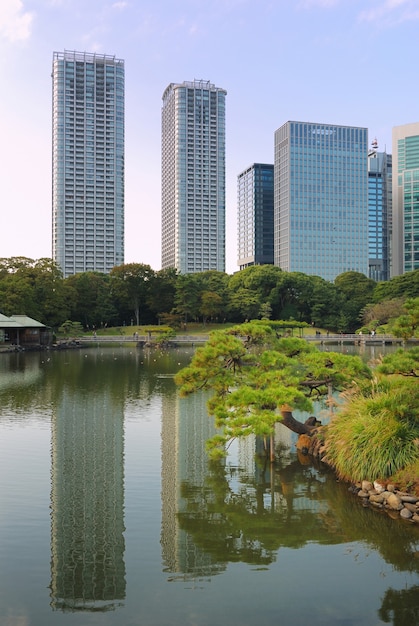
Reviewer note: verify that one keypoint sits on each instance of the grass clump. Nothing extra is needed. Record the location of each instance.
(376, 436)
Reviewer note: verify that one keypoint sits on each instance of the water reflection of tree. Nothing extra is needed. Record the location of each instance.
(127, 374)
(239, 518)
(400, 607)
(236, 516)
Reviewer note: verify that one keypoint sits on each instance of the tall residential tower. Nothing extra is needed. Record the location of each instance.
(405, 236)
(87, 162)
(193, 177)
(255, 211)
(320, 199)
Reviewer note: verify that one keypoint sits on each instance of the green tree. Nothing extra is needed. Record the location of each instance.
(378, 314)
(161, 298)
(216, 283)
(250, 289)
(34, 288)
(291, 296)
(404, 286)
(17, 297)
(325, 304)
(402, 363)
(257, 380)
(71, 329)
(130, 284)
(211, 305)
(407, 325)
(244, 304)
(92, 302)
(357, 291)
(188, 296)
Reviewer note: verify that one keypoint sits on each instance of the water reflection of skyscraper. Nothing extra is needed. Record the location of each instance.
(87, 496)
(185, 429)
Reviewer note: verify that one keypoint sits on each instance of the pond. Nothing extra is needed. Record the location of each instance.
(111, 513)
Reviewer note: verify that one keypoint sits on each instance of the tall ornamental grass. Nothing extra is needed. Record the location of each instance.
(375, 436)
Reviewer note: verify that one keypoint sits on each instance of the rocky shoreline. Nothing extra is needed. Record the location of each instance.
(377, 495)
(397, 504)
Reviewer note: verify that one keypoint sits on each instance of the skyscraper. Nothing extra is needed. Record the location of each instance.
(193, 177)
(87, 162)
(320, 199)
(379, 213)
(405, 237)
(255, 215)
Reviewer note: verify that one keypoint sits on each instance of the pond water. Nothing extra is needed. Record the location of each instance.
(110, 512)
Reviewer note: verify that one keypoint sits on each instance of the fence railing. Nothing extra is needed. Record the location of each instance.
(322, 338)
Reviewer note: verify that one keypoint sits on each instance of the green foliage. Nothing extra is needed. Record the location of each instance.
(252, 373)
(402, 362)
(374, 315)
(404, 286)
(71, 329)
(407, 325)
(244, 304)
(130, 284)
(33, 288)
(135, 292)
(356, 292)
(376, 435)
(188, 296)
(161, 296)
(92, 300)
(265, 311)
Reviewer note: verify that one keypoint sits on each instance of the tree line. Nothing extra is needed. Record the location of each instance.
(135, 294)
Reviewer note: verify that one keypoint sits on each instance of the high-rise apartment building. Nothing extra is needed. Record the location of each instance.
(320, 199)
(193, 177)
(87, 162)
(379, 213)
(405, 234)
(255, 215)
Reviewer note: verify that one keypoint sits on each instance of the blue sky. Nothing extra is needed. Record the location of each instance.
(350, 62)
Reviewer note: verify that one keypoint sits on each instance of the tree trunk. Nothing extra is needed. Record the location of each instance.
(297, 427)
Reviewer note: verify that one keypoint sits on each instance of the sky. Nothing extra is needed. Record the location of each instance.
(348, 62)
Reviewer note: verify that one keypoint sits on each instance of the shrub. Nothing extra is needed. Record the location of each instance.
(376, 436)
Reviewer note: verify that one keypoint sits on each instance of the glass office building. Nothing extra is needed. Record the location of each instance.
(255, 215)
(405, 236)
(87, 162)
(193, 177)
(379, 213)
(320, 199)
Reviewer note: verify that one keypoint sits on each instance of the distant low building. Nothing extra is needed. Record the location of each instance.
(21, 331)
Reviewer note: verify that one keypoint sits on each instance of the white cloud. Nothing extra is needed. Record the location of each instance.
(121, 4)
(15, 22)
(391, 12)
(322, 4)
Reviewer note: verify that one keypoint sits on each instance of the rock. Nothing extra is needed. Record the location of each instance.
(394, 502)
(410, 507)
(406, 514)
(415, 518)
(379, 488)
(377, 498)
(386, 494)
(363, 494)
(391, 488)
(366, 485)
(378, 505)
(406, 498)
